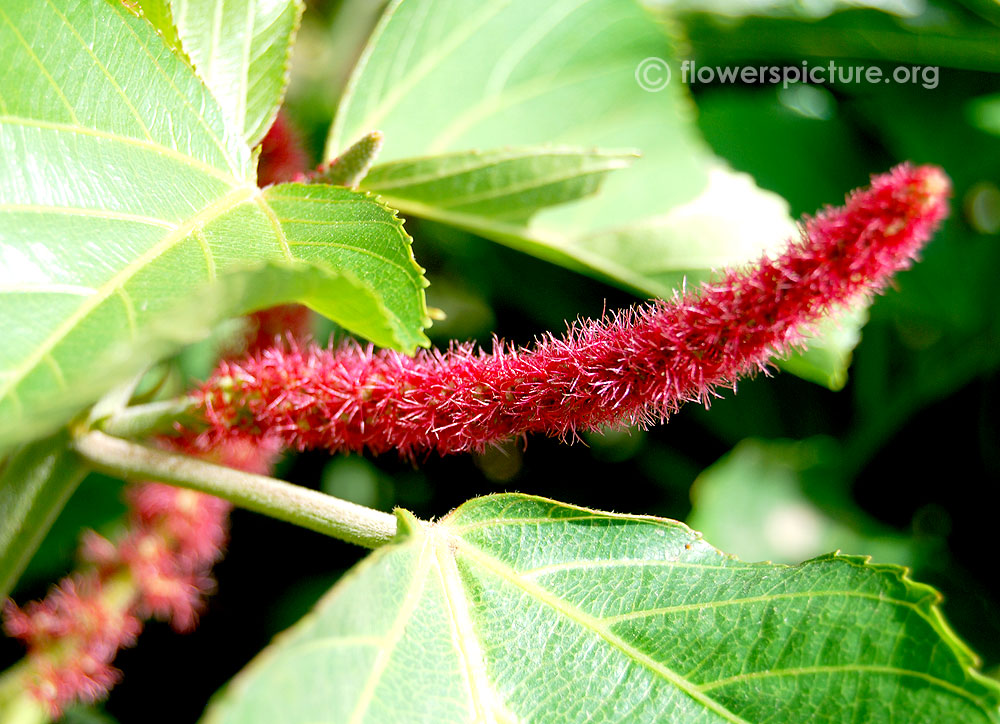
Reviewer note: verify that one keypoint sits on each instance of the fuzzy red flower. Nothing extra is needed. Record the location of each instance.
(72, 636)
(636, 367)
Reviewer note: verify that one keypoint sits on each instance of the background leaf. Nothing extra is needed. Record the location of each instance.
(241, 49)
(515, 608)
(783, 501)
(788, 8)
(440, 77)
(36, 480)
(91, 251)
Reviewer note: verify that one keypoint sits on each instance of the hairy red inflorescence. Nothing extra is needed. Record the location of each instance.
(282, 157)
(72, 635)
(635, 368)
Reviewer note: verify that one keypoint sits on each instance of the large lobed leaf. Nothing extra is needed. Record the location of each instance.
(442, 77)
(515, 608)
(123, 189)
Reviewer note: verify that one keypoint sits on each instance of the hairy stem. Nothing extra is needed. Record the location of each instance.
(304, 507)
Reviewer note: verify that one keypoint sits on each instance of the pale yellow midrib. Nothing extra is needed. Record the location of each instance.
(530, 185)
(222, 205)
(512, 96)
(528, 40)
(241, 97)
(483, 697)
(105, 72)
(155, 147)
(765, 598)
(41, 66)
(838, 668)
(84, 211)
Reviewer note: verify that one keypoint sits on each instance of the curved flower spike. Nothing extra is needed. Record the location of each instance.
(634, 368)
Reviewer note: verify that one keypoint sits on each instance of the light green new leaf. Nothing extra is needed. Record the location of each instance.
(159, 14)
(36, 480)
(122, 191)
(492, 188)
(444, 76)
(241, 49)
(519, 609)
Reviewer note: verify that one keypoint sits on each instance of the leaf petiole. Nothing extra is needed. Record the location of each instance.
(307, 508)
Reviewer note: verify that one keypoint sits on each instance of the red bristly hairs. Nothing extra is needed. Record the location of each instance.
(634, 368)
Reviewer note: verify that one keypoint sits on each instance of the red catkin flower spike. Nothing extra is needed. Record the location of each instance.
(72, 637)
(160, 567)
(634, 368)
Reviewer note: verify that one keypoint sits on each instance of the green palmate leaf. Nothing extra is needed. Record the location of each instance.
(36, 480)
(123, 190)
(492, 188)
(439, 78)
(241, 48)
(519, 609)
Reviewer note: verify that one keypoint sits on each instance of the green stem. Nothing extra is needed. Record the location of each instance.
(304, 507)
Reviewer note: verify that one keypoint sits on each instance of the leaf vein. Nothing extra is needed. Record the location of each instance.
(105, 71)
(589, 623)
